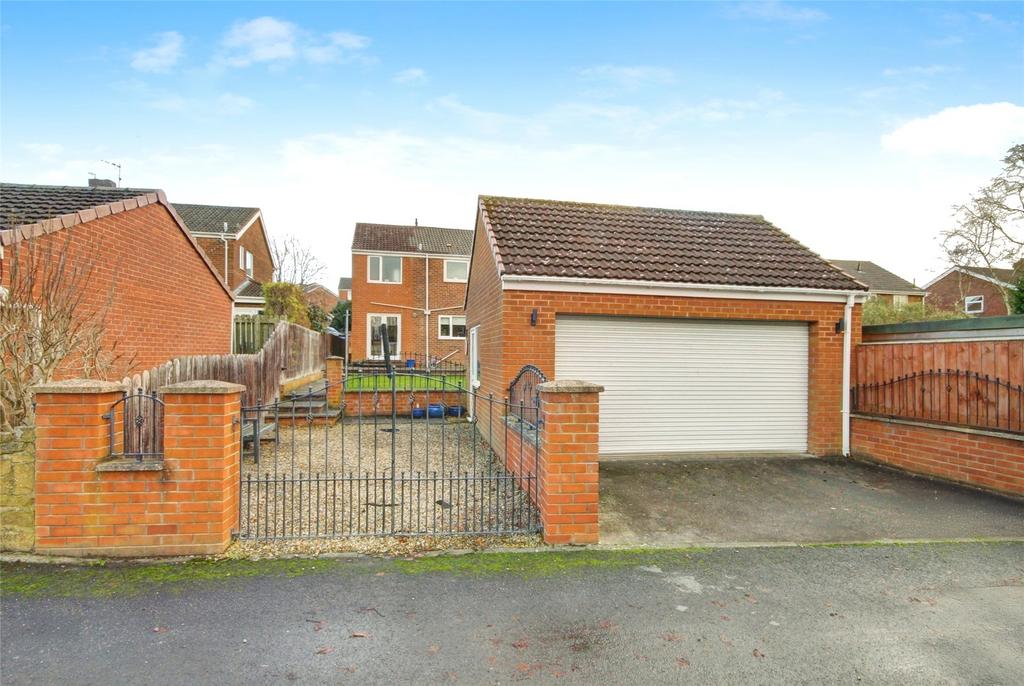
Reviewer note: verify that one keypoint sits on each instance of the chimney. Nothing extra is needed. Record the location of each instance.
(101, 183)
(416, 221)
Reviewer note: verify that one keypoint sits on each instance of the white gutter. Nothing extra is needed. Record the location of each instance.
(847, 364)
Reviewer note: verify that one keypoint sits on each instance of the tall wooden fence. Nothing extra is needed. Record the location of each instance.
(291, 352)
(252, 332)
(968, 372)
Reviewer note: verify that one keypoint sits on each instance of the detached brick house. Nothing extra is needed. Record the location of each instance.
(711, 333)
(882, 283)
(345, 288)
(412, 278)
(236, 242)
(161, 295)
(316, 294)
(976, 291)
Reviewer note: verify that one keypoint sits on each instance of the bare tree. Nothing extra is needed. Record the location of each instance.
(989, 231)
(295, 261)
(47, 321)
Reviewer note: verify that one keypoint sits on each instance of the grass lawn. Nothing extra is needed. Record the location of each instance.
(407, 382)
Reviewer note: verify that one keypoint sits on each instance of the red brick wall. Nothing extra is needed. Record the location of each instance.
(409, 293)
(362, 403)
(979, 460)
(518, 343)
(164, 300)
(262, 265)
(188, 508)
(322, 297)
(948, 294)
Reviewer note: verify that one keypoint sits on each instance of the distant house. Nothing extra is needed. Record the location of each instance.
(160, 295)
(882, 283)
(413, 279)
(316, 294)
(345, 288)
(235, 239)
(976, 291)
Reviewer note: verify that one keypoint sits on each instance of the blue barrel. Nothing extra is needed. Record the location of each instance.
(410, 364)
(418, 413)
(456, 410)
(435, 410)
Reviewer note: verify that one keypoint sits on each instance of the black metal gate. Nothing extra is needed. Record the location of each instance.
(398, 457)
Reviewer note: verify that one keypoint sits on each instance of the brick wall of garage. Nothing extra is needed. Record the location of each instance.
(978, 458)
(518, 343)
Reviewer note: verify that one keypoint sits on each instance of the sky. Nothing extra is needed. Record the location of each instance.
(853, 127)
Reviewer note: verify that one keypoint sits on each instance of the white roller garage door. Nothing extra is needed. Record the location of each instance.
(690, 385)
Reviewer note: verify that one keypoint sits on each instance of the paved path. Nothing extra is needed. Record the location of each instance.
(811, 500)
(919, 614)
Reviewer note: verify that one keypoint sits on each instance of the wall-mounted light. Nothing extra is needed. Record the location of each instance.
(841, 326)
(533, 317)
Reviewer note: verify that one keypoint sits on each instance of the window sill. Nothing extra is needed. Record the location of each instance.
(130, 464)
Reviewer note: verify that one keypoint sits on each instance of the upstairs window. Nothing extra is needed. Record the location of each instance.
(900, 300)
(245, 260)
(451, 326)
(385, 269)
(974, 304)
(456, 270)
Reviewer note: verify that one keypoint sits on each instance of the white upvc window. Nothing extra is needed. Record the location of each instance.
(974, 304)
(374, 342)
(899, 299)
(451, 326)
(456, 271)
(384, 269)
(245, 260)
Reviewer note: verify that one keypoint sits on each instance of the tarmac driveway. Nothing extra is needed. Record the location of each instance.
(790, 500)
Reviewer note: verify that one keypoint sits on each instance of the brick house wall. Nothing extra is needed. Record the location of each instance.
(410, 293)
(887, 297)
(164, 301)
(323, 298)
(507, 341)
(252, 240)
(948, 294)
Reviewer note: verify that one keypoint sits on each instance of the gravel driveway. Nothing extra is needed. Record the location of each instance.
(325, 481)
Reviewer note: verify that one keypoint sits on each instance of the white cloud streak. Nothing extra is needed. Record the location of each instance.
(163, 56)
(984, 130)
(268, 40)
(772, 11)
(409, 76)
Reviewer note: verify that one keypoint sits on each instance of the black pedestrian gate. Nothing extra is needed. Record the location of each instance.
(400, 456)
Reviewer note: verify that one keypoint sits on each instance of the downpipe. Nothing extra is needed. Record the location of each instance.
(847, 363)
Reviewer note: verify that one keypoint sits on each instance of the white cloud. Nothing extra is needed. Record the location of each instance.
(45, 151)
(776, 11)
(264, 39)
(973, 130)
(628, 76)
(162, 56)
(918, 70)
(411, 75)
(269, 40)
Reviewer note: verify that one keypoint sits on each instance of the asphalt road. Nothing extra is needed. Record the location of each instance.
(916, 614)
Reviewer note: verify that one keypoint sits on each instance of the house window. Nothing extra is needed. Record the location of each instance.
(456, 270)
(385, 269)
(451, 326)
(245, 260)
(900, 300)
(374, 342)
(974, 304)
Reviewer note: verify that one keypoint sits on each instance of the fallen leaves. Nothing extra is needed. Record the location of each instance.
(758, 654)
(682, 662)
(324, 650)
(359, 634)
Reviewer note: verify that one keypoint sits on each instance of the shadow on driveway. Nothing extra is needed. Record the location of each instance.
(798, 500)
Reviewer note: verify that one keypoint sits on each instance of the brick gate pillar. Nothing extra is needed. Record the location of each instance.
(567, 468)
(335, 367)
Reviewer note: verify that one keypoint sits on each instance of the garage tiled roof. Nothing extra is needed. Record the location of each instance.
(593, 241)
(877, 279)
(23, 203)
(433, 240)
(212, 218)
(249, 289)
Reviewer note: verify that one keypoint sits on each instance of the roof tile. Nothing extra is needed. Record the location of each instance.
(595, 241)
(433, 240)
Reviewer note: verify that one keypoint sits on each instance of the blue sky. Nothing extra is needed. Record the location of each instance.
(854, 127)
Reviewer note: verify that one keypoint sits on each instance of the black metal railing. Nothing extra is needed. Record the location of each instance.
(524, 395)
(945, 396)
(141, 416)
(412, 363)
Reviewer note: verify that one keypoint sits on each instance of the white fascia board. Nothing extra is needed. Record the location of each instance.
(213, 234)
(249, 299)
(412, 254)
(625, 287)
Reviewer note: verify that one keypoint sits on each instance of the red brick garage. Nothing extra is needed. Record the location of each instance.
(728, 288)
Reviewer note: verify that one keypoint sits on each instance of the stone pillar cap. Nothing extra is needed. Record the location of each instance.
(79, 386)
(570, 386)
(205, 386)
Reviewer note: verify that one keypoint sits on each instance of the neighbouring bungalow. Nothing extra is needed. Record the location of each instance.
(160, 295)
(882, 283)
(710, 332)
